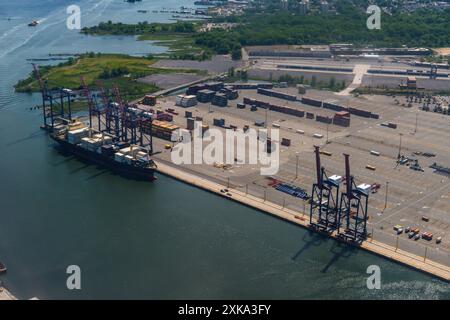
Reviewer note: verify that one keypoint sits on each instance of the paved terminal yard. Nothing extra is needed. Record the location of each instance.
(411, 194)
(379, 71)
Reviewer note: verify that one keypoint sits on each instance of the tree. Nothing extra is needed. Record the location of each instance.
(236, 54)
(332, 82)
(231, 72)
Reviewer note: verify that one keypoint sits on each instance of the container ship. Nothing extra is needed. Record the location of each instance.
(124, 158)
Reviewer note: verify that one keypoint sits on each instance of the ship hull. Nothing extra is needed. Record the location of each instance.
(126, 170)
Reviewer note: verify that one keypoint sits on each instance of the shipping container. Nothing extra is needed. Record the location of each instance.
(276, 94)
(312, 102)
(285, 142)
(310, 115)
(214, 86)
(333, 106)
(324, 119)
(193, 90)
(190, 123)
(392, 125)
(219, 100)
(149, 100)
(205, 96)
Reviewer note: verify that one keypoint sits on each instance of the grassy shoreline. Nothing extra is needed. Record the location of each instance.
(110, 69)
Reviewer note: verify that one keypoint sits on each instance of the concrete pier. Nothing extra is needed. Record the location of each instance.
(302, 219)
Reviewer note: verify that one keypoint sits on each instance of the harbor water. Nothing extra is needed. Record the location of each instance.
(162, 240)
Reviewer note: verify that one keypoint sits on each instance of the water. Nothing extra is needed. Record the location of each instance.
(142, 240)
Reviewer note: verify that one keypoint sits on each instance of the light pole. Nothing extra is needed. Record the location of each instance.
(417, 120)
(386, 197)
(265, 122)
(400, 146)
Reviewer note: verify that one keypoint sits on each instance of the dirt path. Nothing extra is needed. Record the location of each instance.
(359, 71)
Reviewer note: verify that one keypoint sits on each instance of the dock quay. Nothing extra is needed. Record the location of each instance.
(302, 219)
(391, 146)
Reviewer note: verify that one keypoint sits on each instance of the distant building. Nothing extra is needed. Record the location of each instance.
(303, 7)
(324, 7)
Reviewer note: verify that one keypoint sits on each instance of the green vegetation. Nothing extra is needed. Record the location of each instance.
(181, 46)
(109, 28)
(111, 69)
(272, 26)
(178, 37)
(423, 28)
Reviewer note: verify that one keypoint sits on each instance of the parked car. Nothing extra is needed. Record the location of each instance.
(427, 236)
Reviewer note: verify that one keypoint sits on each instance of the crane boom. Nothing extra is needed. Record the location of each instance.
(88, 96)
(39, 78)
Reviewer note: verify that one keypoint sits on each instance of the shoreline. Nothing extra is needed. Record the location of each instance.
(301, 219)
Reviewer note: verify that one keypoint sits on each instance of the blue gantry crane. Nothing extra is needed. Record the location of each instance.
(52, 100)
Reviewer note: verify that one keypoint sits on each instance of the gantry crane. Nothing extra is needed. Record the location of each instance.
(50, 98)
(324, 208)
(353, 211)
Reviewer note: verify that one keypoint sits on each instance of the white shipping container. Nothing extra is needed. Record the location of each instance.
(119, 157)
(179, 100)
(125, 151)
(128, 159)
(318, 136)
(375, 153)
(79, 131)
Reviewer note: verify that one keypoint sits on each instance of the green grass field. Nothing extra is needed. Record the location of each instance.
(180, 45)
(92, 67)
